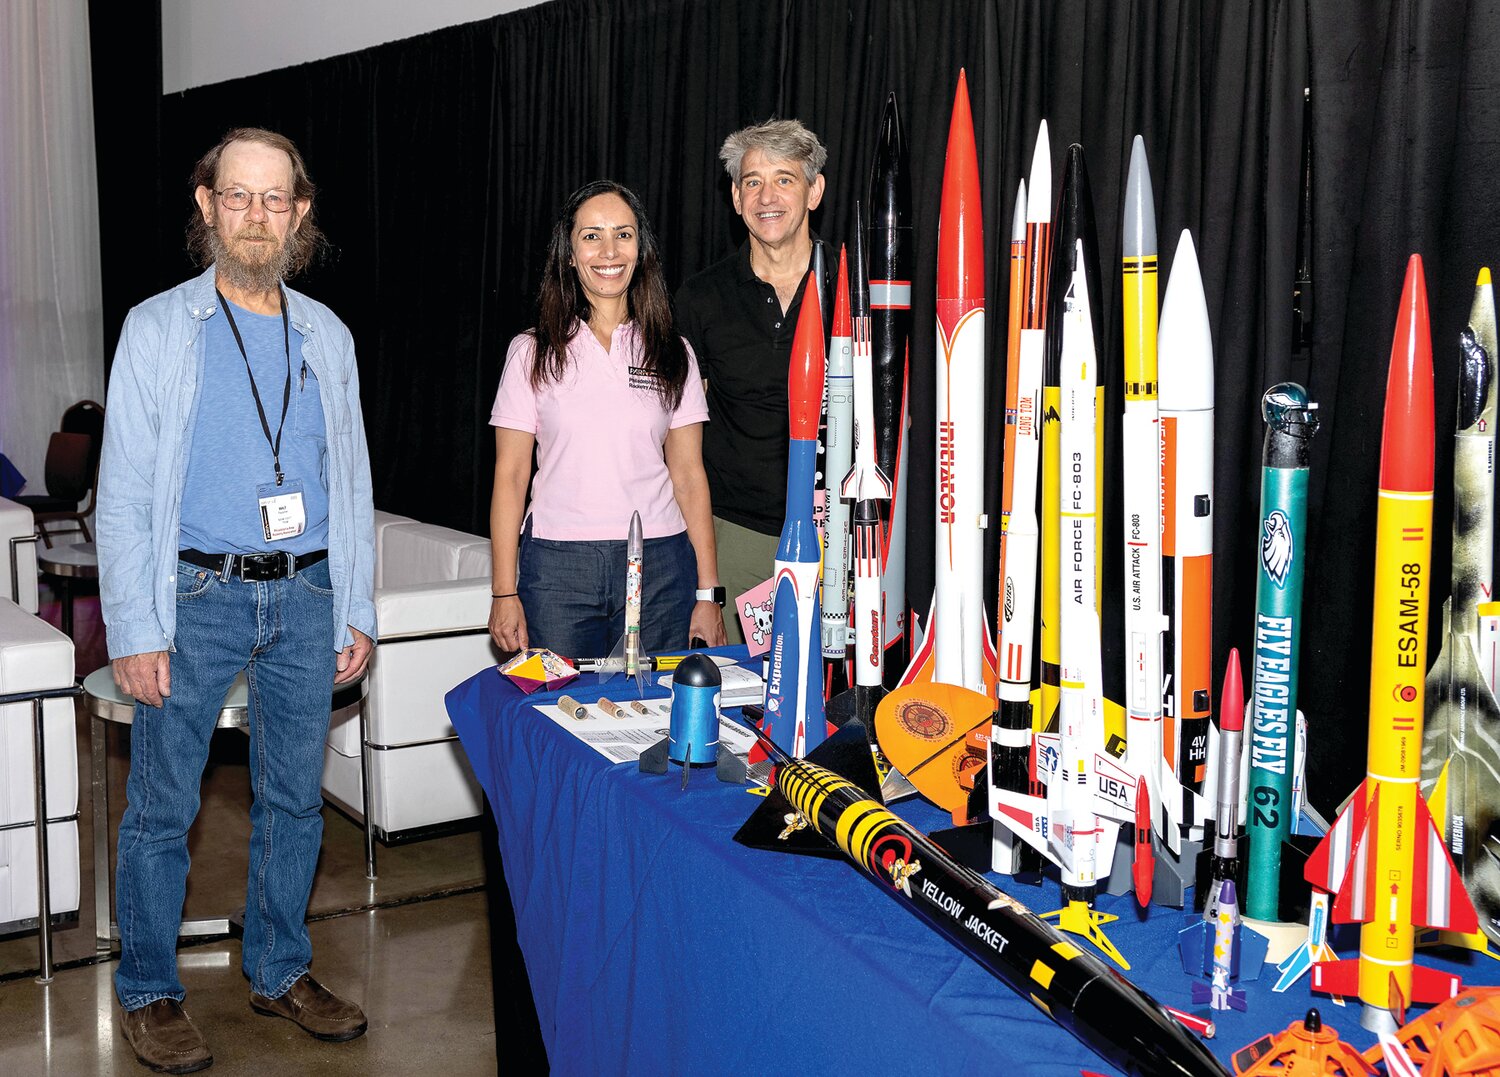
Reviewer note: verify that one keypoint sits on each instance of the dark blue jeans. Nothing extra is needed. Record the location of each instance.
(574, 594)
(281, 633)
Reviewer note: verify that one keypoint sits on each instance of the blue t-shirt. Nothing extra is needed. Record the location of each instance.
(229, 458)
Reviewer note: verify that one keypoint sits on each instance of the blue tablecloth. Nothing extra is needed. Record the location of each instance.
(656, 944)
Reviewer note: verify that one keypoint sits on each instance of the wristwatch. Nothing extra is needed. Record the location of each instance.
(715, 595)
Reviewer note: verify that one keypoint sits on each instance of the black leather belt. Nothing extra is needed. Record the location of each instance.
(253, 567)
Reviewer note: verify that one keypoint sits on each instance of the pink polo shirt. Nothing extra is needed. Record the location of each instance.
(599, 435)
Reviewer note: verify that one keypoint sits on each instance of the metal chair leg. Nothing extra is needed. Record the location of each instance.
(43, 865)
(364, 792)
(99, 764)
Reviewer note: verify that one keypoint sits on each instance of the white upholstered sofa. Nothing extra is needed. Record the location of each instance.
(432, 602)
(36, 660)
(18, 549)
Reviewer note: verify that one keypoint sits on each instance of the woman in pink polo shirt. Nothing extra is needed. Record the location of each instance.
(610, 398)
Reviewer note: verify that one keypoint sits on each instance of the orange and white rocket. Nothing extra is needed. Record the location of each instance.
(956, 644)
(1185, 361)
(1384, 857)
(1011, 738)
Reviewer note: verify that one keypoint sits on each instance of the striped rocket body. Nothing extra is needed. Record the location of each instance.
(1106, 1013)
(868, 487)
(838, 452)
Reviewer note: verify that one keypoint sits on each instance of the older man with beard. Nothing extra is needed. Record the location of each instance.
(235, 534)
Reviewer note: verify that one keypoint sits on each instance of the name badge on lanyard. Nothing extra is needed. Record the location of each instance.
(282, 512)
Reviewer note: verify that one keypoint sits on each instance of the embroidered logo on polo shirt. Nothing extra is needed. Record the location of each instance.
(643, 378)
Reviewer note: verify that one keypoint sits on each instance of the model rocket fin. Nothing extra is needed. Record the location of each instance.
(614, 666)
(920, 667)
(1195, 945)
(1116, 788)
(1342, 862)
(1253, 949)
(1077, 918)
(1233, 997)
(1397, 1062)
(866, 482)
(1439, 899)
(1428, 986)
(1339, 978)
(1025, 816)
(1476, 941)
(1314, 950)
(777, 825)
(1306, 821)
(1343, 865)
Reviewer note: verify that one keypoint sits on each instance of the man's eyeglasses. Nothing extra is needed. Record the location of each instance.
(237, 198)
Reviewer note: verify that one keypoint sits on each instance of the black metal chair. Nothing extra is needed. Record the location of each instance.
(70, 473)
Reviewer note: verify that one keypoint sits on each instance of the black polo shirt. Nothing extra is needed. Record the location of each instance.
(743, 342)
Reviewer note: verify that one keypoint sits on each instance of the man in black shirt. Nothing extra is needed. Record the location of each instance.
(739, 315)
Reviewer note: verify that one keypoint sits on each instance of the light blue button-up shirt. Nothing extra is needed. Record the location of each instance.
(154, 392)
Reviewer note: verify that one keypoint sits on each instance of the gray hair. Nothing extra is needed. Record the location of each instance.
(779, 140)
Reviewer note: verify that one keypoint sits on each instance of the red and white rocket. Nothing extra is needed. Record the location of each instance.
(956, 645)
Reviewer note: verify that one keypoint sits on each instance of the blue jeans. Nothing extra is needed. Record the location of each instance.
(574, 594)
(281, 632)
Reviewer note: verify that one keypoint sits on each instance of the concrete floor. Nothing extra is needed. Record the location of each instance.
(412, 947)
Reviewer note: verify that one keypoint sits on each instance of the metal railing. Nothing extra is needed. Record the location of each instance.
(39, 763)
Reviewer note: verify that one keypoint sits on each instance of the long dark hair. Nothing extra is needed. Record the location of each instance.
(563, 307)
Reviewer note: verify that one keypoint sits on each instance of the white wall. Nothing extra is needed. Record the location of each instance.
(205, 41)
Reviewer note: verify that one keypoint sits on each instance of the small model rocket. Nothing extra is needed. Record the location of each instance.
(627, 657)
(794, 689)
(1221, 962)
(868, 487)
(838, 443)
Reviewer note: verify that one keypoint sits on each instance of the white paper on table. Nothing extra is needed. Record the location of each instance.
(622, 740)
(740, 686)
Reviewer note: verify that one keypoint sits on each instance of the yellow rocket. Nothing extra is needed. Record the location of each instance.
(1384, 858)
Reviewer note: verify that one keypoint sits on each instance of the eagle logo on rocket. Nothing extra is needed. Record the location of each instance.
(1276, 550)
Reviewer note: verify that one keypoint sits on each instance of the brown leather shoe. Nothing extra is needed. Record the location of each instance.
(164, 1038)
(318, 1010)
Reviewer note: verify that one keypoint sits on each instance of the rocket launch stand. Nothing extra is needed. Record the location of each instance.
(1171, 876)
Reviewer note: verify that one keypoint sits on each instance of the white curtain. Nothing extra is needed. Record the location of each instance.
(51, 325)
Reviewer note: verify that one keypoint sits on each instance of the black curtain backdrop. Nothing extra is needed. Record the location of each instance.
(442, 160)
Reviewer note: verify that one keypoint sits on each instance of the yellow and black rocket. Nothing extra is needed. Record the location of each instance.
(811, 800)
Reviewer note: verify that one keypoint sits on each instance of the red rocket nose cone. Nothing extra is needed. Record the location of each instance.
(1406, 448)
(804, 380)
(1232, 698)
(960, 226)
(843, 326)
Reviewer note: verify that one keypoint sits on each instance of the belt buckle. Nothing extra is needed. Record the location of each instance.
(262, 567)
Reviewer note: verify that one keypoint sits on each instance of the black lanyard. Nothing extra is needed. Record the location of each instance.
(286, 394)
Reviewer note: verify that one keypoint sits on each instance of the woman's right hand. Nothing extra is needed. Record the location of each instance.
(508, 623)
